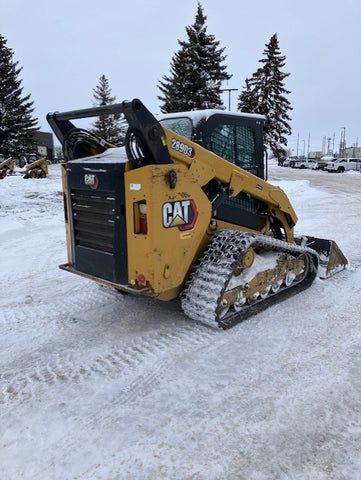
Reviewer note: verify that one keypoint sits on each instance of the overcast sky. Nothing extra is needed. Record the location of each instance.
(64, 46)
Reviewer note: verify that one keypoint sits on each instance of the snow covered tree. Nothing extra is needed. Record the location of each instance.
(265, 93)
(17, 127)
(111, 128)
(196, 71)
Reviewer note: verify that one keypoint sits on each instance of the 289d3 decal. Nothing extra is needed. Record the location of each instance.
(182, 147)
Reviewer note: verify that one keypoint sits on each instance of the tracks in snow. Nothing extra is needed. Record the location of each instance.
(31, 312)
(137, 364)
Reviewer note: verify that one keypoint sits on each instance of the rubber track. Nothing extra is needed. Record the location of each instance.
(211, 275)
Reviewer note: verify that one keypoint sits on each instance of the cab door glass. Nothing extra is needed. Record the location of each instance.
(236, 144)
(182, 125)
(246, 149)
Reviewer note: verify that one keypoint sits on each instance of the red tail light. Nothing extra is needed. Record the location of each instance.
(140, 218)
(143, 227)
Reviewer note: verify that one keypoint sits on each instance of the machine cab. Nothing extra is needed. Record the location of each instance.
(236, 137)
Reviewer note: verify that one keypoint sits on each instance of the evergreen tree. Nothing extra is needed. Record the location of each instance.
(111, 128)
(196, 71)
(265, 93)
(17, 127)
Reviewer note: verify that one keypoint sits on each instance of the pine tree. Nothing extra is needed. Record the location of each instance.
(111, 128)
(17, 127)
(196, 71)
(265, 93)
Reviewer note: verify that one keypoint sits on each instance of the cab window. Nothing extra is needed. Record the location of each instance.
(236, 144)
(182, 126)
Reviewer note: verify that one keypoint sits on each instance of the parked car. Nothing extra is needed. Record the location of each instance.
(303, 163)
(286, 162)
(341, 165)
(321, 164)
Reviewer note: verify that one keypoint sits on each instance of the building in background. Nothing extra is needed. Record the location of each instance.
(352, 152)
(315, 155)
(45, 144)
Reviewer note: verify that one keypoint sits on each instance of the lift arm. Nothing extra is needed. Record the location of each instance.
(145, 142)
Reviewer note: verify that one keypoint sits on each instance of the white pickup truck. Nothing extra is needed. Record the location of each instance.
(302, 163)
(341, 165)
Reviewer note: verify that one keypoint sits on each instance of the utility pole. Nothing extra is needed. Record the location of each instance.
(328, 145)
(229, 90)
(342, 140)
(308, 145)
(298, 141)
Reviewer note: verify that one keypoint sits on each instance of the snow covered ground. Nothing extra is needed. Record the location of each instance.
(99, 385)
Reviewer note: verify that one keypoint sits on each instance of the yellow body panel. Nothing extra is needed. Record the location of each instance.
(66, 200)
(164, 255)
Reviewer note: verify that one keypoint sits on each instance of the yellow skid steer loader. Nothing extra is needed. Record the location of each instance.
(6, 167)
(184, 210)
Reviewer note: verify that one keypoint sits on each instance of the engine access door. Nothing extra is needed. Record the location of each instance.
(97, 219)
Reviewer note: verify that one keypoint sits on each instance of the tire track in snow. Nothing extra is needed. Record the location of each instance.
(139, 365)
(39, 256)
(180, 343)
(59, 310)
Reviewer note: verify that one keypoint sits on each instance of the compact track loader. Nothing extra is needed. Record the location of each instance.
(36, 169)
(6, 167)
(184, 210)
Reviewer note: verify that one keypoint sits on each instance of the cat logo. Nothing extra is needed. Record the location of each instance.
(91, 180)
(182, 214)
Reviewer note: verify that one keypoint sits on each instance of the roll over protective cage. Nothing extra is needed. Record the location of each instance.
(145, 141)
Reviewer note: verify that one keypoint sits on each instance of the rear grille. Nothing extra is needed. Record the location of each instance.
(93, 219)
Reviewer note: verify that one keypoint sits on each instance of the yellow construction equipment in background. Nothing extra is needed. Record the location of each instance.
(36, 169)
(6, 167)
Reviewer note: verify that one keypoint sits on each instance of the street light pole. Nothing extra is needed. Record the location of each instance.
(229, 90)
